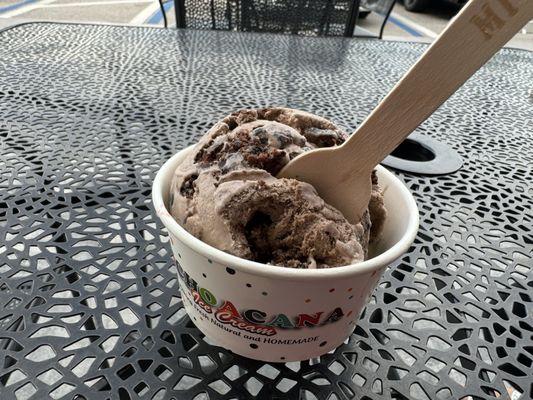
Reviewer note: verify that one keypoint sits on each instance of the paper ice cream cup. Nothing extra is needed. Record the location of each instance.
(273, 313)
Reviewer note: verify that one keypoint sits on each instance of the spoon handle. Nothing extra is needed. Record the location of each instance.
(469, 41)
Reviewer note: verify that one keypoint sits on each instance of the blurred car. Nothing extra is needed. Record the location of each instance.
(421, 5)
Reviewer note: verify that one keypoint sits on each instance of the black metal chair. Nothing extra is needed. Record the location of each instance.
(301, 17)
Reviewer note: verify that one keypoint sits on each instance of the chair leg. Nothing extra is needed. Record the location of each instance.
(213, 16)
(389, 11)
(352, 18)
(179, 11)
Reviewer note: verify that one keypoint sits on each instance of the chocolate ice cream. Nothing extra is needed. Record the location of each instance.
(226, 194)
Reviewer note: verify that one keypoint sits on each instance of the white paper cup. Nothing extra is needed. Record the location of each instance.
(273, 313)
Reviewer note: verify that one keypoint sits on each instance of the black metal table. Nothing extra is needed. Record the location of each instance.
(89, 302)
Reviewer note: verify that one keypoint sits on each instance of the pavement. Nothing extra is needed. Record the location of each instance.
(402, 25)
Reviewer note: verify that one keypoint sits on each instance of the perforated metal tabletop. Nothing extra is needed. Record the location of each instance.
(89, 304)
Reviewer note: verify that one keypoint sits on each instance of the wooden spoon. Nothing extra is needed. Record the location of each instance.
(341, 175)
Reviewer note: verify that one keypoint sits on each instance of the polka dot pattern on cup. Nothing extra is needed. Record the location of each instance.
(253, 346)
(230, 271)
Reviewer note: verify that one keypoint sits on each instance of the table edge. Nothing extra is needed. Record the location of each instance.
(19, 23)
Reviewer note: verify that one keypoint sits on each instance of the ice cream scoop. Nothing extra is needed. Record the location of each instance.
(468, 42)
(225, 193)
